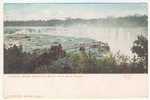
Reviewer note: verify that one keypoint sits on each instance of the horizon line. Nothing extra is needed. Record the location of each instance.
(66, 18)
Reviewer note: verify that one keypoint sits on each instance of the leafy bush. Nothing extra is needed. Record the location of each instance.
(140, 48)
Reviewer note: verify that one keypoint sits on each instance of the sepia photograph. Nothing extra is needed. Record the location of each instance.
(70, 38)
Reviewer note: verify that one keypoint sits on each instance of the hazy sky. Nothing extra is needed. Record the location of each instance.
(61, 11)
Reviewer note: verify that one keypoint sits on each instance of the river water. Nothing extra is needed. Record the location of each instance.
(119, 38)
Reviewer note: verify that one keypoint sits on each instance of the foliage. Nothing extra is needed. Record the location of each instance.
(16, 61)
(140, 48)
(56, 60)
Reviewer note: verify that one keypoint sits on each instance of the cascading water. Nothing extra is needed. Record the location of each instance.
(119, 38)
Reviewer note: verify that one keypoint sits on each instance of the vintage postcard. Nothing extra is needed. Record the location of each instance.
(75, 38)
(82, 45)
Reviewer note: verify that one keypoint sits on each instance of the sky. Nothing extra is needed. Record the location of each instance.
(34, 11)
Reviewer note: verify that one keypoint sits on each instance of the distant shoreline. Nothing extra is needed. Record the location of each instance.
(127, 21)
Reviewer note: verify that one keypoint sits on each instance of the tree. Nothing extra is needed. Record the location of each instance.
(140, 48)
(16, 61)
